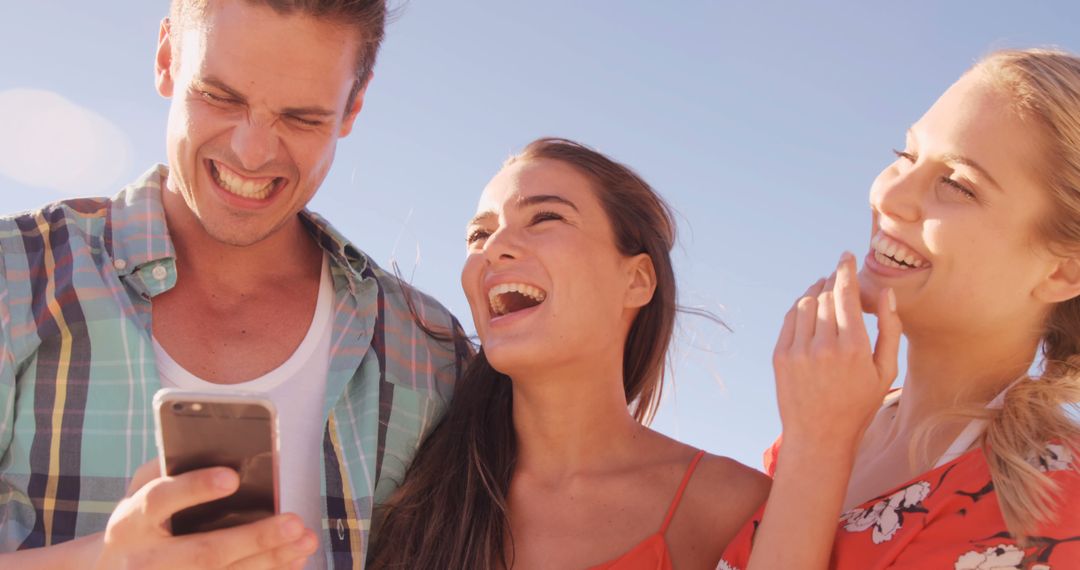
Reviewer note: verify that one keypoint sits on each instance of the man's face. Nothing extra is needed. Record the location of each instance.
(258, 102)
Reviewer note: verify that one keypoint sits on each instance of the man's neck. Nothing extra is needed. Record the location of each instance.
(285, 254)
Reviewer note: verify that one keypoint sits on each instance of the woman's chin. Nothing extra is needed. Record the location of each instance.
(869, 292)
(506, 358)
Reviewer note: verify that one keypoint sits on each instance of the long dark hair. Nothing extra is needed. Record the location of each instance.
(451, 510)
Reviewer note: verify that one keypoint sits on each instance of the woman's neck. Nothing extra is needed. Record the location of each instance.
(959, 370)
(572, 419)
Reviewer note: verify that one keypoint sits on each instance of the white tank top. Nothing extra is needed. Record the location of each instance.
(297, 388)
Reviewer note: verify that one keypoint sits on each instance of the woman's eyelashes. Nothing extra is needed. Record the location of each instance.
(946, 180)
(545, 216)
(477, 234)
(958, 187)
(904, 155)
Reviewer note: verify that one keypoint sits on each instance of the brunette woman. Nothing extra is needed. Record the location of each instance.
(544, 459)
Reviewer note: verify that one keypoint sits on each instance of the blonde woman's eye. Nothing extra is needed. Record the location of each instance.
(476, 235)
(904, 155)
(964, 190)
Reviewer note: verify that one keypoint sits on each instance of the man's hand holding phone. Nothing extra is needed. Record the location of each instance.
(137, 535)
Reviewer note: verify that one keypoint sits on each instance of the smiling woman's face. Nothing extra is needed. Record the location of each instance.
(544, 278)
(955, 217)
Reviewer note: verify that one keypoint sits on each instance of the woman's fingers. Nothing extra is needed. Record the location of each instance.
(805, 319)
(825, 327)
(887, 350)
(849, 321)
(791, 319)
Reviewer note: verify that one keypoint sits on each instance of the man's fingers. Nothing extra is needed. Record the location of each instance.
(167, 495)
(146, 473)
(274, 541)
(287, 556)
(887, 349)
(848, 308)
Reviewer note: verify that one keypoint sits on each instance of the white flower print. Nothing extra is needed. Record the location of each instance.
(1054, 458)
(725, 566)
(1000, 557)
(886, 516)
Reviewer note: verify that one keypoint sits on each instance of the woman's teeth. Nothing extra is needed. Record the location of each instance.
(236, 184)
(892, 253)
(507, 298)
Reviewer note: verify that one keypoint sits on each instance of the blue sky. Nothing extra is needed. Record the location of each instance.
(762, 123)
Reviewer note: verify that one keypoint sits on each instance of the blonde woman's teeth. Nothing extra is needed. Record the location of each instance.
(892, 253)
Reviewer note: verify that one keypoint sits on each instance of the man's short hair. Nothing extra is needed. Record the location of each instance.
(366, 17)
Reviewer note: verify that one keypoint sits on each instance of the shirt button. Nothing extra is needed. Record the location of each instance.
(159, 272)
(119, 264)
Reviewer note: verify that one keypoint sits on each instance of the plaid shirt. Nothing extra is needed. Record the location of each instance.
(77, 369)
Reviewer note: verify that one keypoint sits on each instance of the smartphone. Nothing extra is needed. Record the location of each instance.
(236, 430)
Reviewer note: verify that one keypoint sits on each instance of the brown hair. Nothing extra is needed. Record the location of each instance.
(367, 17)
(1044, 86)
(451, 509)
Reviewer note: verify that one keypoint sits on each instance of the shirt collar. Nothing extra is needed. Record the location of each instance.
(140, 235)
(355, 264)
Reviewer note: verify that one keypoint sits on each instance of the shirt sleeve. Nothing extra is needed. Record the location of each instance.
(1058, 540)
(7, 363)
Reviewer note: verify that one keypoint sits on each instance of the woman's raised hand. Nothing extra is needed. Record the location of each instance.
(829, 381)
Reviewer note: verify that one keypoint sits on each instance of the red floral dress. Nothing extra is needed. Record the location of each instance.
(946, 518)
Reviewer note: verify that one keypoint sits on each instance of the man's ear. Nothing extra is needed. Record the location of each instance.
(354, 108)
(642, 277)
(163, 60)
(1063, 283)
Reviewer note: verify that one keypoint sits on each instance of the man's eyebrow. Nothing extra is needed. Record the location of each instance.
(312, 110)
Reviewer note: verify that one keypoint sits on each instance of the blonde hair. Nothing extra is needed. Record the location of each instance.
(1044, 86)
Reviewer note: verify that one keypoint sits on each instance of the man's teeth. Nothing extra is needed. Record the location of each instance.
(891, 253)
(499, 307)
(235, 184)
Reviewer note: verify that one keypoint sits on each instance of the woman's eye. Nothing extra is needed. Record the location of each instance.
(904, 155)
(476, 235)
(545, 216)
(958, 187)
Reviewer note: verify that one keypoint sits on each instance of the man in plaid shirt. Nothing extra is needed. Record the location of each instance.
(210, 273)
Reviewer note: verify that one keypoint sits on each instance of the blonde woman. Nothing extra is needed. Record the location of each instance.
(975, 248)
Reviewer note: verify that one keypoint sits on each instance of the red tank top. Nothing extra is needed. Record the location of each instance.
(652, 553)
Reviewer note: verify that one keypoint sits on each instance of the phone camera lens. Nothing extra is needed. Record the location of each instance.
(178, 407)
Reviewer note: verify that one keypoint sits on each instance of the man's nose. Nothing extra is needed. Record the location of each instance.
(254, 143)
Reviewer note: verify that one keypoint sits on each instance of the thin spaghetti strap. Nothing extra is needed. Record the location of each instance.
(682, 487)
